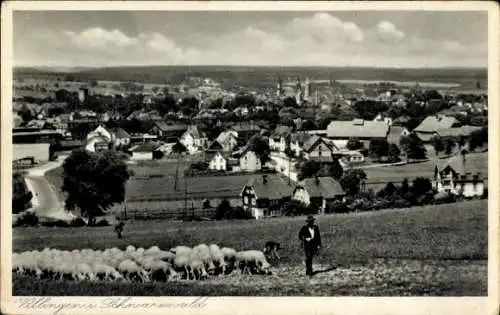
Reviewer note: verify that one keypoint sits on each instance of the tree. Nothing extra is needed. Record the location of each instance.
(334, 170)
(308, 169)
(413, 147)
(223, 210)
(354, 144)
(290, 102)
(352, 180)
(379, 148)
(478, 138)
(179, 148)
(94, 181)
(206, 204)
(421, 186)
(26, 114)
(21, 196)
(388, 191)
(261, 148)
(393, 153)
(461, 142)
(449, 146)
(438, 144)
(368, 109)
(189, 105)
(166, 105)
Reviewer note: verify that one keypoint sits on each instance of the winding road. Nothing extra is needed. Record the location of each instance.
(45, 200)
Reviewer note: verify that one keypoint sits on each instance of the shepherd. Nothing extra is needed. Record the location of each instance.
(119, 229)
(311, 239)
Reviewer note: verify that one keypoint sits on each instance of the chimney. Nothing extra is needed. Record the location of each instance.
(264, 179)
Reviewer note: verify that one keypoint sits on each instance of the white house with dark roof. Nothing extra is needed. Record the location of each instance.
(99, 139)
(194, 140)
(365, 130)
(318, 149)
(250, 161)
(460, 177)
(318, 191)
(218, 162)
(264, 195)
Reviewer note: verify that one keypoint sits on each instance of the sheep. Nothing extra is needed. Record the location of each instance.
(132, 271)
(218, 257)
(153, 250)
(229, 256)
(105, 272)
(82, 271)
(198, 269)
(161, 271)
(182, 263)
(165, 256)
(202, 252)
(181, 250)
(130, 249)
(247, 260)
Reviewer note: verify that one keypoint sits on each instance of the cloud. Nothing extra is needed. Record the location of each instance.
(316, 39)
(388, 30)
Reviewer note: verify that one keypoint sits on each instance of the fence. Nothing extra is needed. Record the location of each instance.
(171, 214)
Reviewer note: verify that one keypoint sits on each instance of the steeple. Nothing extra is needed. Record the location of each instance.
(279, 87)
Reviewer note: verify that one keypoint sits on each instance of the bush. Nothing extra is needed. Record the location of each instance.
(240, 214)
(297, 208)
(337, 207)
(103, 222)
(77, 222)
(223, 210)
(27, 219)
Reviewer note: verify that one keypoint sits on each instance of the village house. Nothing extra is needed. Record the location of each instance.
(460, 177)
(341, 131)
(245, 131)
(228, 140)
(318, 149)
(264, 196)
(250, 161)
(99, 139)
(110, 115)
(395, 134)
(165, 130)
(218, 162)
(121, 137)
(318, 192)
(298, 140)
(144, 152)
(194, 140)
(383, 118)
(432, 124)
(279, 138)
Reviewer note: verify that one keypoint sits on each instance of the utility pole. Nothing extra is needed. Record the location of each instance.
(176, 174)
(185, 195)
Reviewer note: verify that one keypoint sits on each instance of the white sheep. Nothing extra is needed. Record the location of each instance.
(132, 271)
(165, 256)
(83, 271)
(182, 263)
(161, 271)
(105, 272)
(153, 250)
(252, 259)
(229, 256)
(218, 257)
(202, 252)
(181, 250)
(198, 269)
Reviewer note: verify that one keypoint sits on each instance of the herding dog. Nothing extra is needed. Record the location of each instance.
(271, 250)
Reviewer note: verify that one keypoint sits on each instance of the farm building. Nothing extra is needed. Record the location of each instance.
(263, 196)
(144, 151)
(341, 131)
(121, 137)
(459, 177)
(279, 138)
(26, 135)
(319, 192)
(298, 140)
(316, 148)
(99, 139)
(396, 133)
(39, 151)
(245, 131)
(166, 130)
(432, 124)
(250, 161)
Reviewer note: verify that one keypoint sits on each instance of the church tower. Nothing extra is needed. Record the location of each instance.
(307, 89)
(279, 88)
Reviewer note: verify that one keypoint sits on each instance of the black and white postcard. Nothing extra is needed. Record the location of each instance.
(215, 157)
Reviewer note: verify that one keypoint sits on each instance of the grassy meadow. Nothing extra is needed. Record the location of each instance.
(417, 251)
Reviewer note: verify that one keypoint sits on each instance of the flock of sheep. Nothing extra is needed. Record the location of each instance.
(138, 264)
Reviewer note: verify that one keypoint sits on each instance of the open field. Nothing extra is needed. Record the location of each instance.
(422, 169)
(413, 251)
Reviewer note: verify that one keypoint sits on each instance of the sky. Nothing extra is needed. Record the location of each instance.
(342, 38)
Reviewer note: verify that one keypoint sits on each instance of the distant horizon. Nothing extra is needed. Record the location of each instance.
(39, 67)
